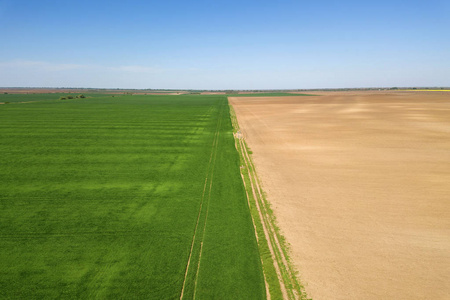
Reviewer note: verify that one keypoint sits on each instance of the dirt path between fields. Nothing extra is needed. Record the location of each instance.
(359, 183)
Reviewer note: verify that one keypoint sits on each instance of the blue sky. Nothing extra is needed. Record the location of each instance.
(224, 44)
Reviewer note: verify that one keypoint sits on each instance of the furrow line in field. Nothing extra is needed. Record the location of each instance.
(208, 178)
(208, 200)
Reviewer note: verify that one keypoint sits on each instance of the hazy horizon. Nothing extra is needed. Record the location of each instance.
(224, 44)
(445, 88)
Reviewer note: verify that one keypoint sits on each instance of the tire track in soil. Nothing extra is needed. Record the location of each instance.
(209, 176)
(267, 232)
(257, 238)
(286, 274)
(239, 146)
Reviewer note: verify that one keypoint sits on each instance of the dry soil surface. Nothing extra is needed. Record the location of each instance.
(360, 185)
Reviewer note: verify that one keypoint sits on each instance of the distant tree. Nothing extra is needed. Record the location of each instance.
(62, 98)
(69, 97)
(81, 96)
(5, 93)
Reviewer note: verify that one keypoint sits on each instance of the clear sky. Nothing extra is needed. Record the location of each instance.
(229, 44)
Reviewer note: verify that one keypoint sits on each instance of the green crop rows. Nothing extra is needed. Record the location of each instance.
(112, 197)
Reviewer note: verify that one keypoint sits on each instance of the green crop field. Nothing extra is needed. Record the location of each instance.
(124, 198)
(14, 98)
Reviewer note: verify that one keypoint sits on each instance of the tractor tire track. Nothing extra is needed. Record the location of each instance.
(266, 229)
(208, 199)
(290, 288)
(209, 177)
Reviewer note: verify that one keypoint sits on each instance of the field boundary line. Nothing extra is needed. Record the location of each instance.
(209, 175)
(267, 231)
(286, 273)
(266, 284)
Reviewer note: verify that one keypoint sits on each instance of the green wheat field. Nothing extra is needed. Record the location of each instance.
(125, 197)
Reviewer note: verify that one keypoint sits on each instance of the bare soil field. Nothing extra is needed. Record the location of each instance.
(360, 185)
(212, 93)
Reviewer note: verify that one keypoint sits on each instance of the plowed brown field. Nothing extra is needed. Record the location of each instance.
(360, 185)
